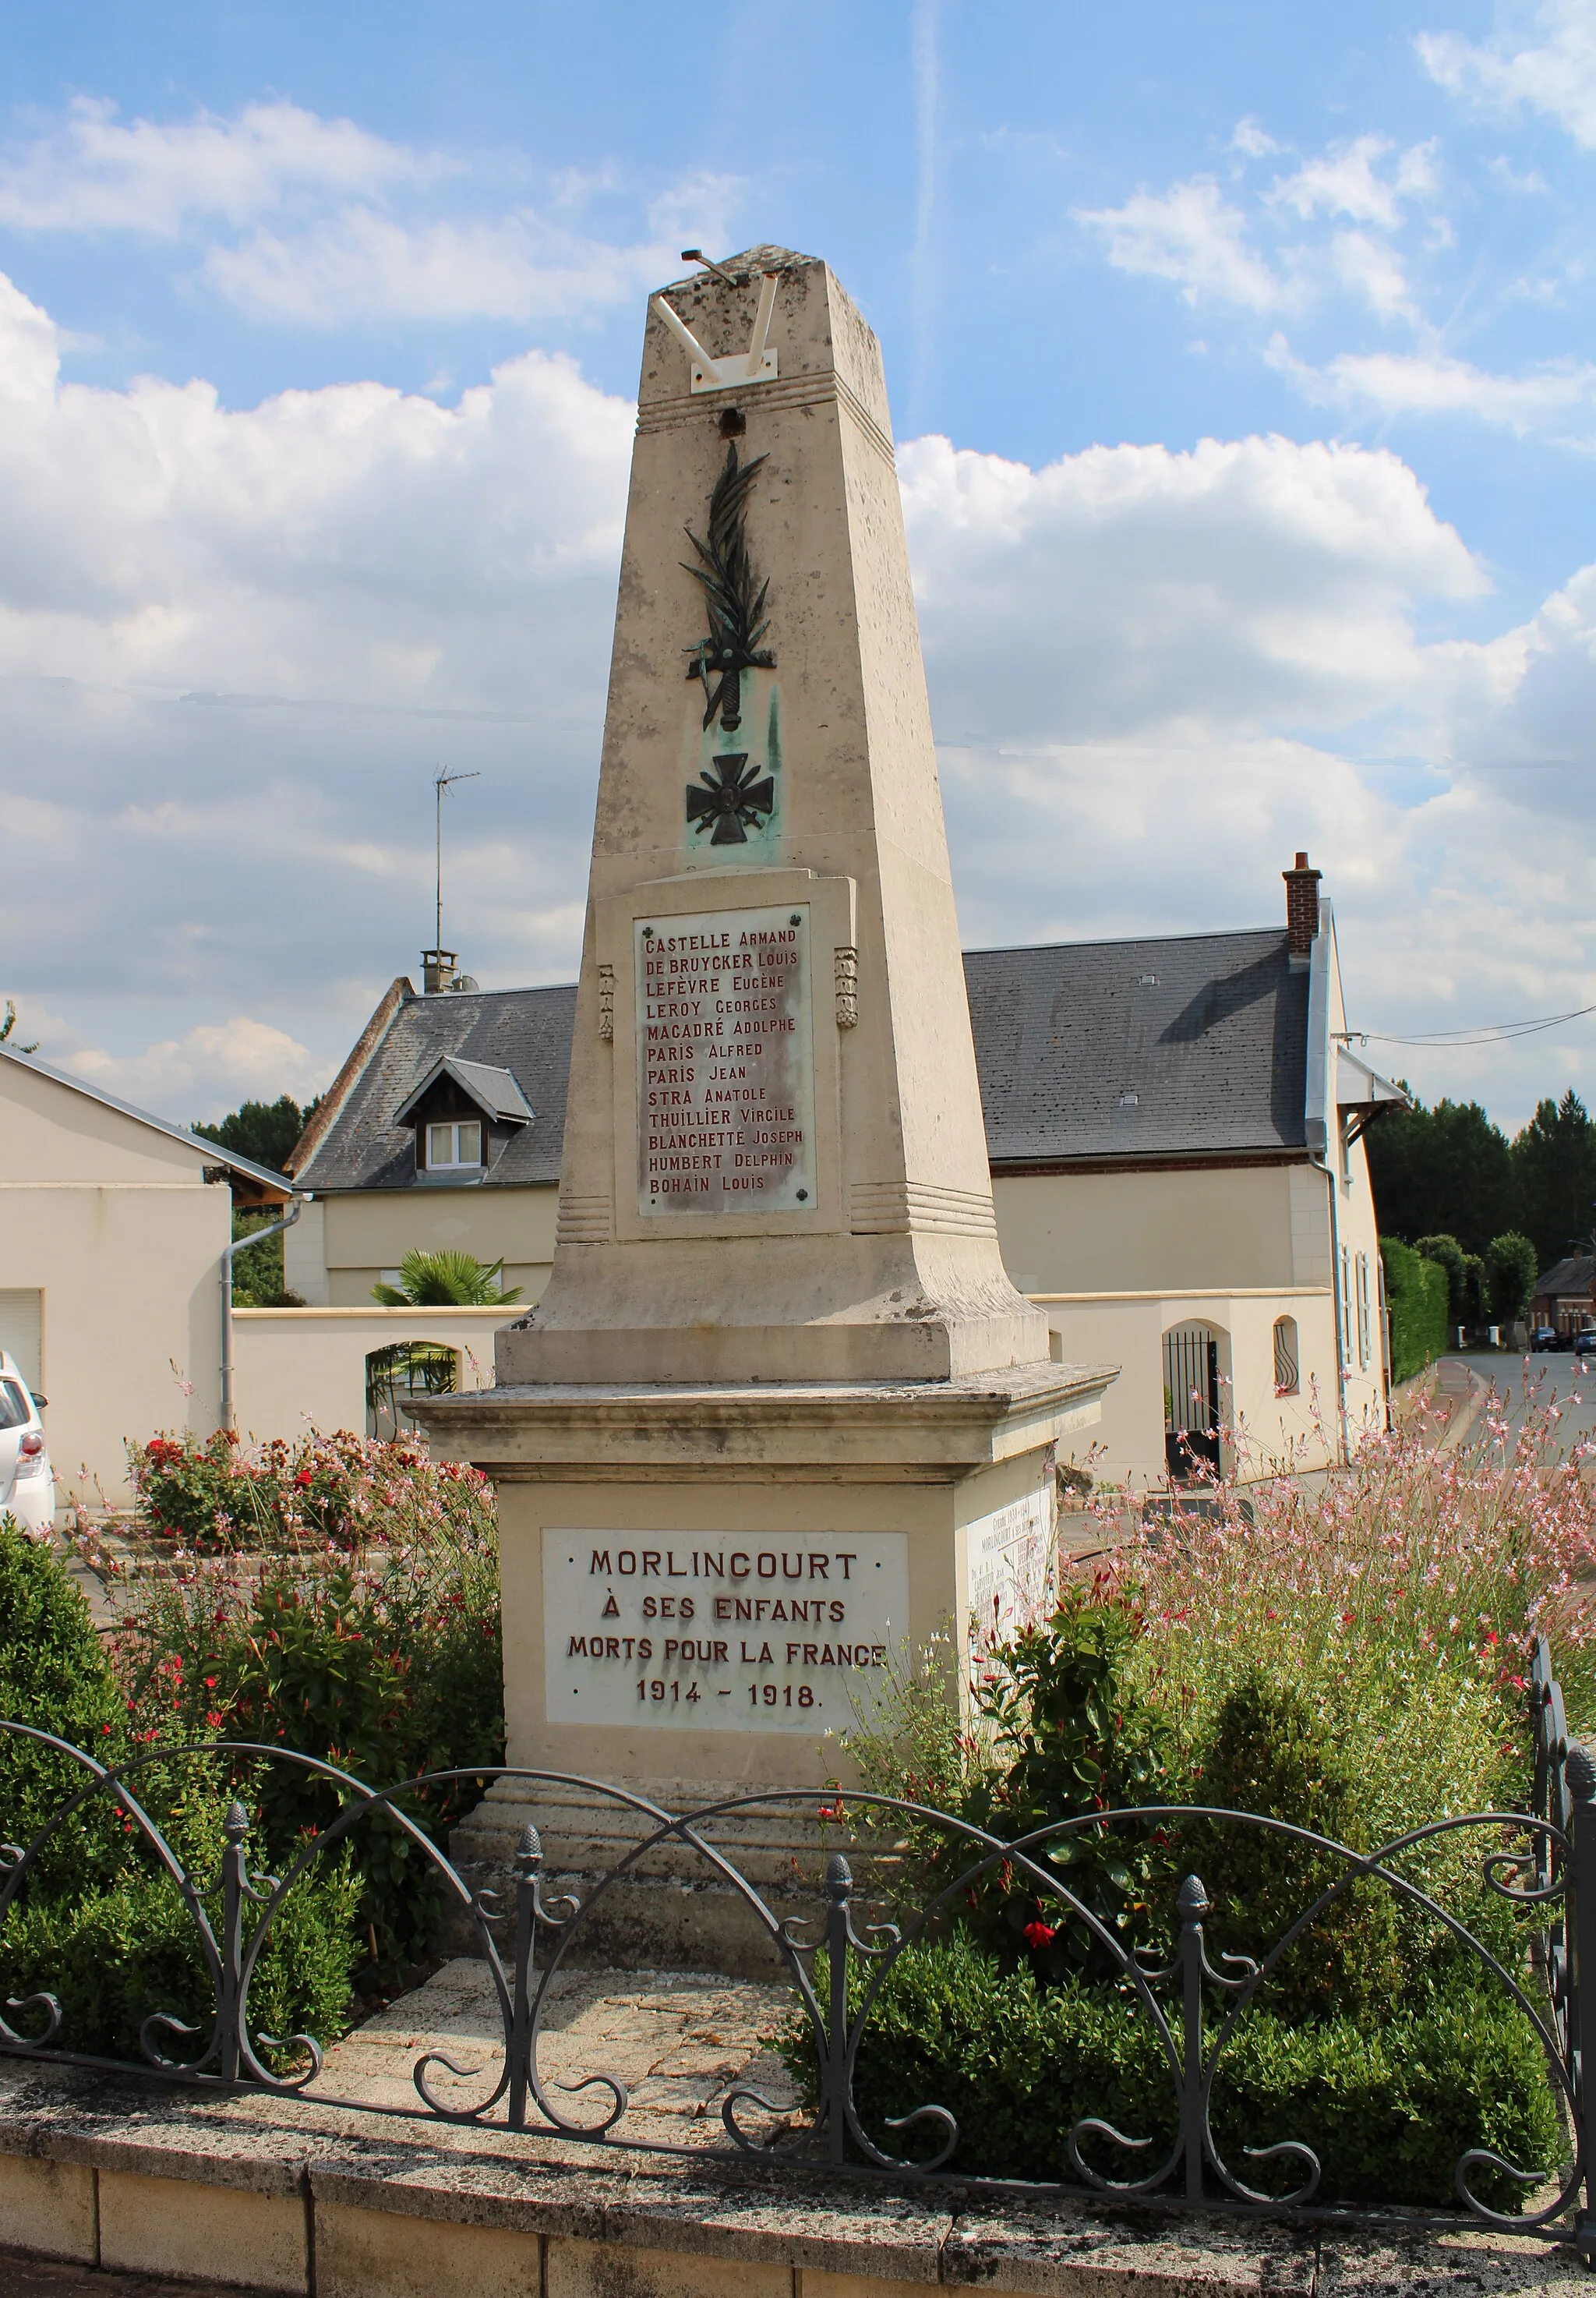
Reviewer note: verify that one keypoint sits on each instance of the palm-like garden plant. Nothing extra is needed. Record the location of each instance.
(447, 1279)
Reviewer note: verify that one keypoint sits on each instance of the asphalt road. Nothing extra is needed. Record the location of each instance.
(1551, 1379)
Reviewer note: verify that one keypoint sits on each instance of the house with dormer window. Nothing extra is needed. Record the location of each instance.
(1174, 1125)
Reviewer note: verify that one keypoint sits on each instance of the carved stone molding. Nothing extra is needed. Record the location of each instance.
(584, 1219)
(606, 1002)
(899, 1208)
(845, 965)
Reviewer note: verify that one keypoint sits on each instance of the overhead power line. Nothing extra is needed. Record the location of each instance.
(1488, 1033)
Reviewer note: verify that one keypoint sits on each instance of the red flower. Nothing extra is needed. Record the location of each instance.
(303, 1478)
(1037, 1935)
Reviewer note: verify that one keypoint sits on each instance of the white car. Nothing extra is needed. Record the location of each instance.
(27, 1480)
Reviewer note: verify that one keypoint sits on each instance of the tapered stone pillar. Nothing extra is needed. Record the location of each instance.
(780, 1411)
(800, 1191)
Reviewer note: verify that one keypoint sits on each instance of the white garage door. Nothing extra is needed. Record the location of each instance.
(23, 1331)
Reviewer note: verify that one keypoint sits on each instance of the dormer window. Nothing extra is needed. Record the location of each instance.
(464, 1115)
(452, 1145)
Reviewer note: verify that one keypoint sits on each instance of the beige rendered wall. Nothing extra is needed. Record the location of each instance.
(299, 1368)
(1268, 1432)
(369, 1231)
(1134, 1232)
(114, 1224)
(1359, 1234)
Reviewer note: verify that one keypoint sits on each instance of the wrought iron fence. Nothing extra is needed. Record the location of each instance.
(1543, 1859)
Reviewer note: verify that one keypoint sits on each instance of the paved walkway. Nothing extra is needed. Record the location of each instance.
(679, 2041)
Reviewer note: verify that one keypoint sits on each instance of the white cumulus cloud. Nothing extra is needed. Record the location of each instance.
(362, 263)
(1193, 236)
(217, 1063)
(1345, 181)
(1432, 383)
(235, 644)
(91, 171)
(1555, 74)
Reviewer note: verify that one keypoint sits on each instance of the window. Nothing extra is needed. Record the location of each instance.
(454, 1145)
(1347, 1309)
(14, 1410)
(1288, 1379)
(1364, 1351)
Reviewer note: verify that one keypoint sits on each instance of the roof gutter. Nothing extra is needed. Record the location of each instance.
(225, 1419)
(1320, 1128)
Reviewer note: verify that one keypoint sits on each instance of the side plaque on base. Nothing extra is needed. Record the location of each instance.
(1010, 1553)
(749, 1633)
(725, 1097)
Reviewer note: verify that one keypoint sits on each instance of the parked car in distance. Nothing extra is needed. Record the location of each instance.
(1545, 1340)
(1583, 1343)
(26, 1479)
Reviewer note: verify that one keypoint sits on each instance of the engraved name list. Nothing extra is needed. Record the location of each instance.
(725, 1064)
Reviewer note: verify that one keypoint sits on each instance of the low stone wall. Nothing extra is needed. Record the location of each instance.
(249, 2194)
(293, 1366)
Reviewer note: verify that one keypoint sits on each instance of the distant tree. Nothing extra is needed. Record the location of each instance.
(445, 1280)
(265, 1131)
(1512, 1266)
(1448, 1254)
(1444, 1170)
(1554, 1167)
(9, 1023)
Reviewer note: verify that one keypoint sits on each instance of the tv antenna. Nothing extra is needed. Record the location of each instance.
(441, 781)
(757, 364)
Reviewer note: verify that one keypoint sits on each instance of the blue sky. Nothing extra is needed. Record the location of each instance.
(1243, 354)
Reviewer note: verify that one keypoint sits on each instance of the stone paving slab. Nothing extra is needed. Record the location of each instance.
(679, 2041)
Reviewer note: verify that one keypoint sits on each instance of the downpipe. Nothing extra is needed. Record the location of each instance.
(255, 1237)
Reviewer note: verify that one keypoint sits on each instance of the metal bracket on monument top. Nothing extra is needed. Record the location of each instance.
(757, 364)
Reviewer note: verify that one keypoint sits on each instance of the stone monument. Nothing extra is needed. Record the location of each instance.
(780, 1414)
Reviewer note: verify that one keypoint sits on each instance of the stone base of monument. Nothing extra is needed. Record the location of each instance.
(707, 1590)
(656, 1901)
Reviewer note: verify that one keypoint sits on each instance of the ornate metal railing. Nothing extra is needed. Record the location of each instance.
(1543, 1859)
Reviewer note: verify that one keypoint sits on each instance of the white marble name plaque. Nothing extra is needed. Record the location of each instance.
(722, 1631)
(726, 1115)
(1010, 1557)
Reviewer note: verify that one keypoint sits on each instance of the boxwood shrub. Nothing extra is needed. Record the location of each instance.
(1388, 2102)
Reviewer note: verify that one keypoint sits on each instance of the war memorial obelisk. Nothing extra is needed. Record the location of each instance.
(779, 1408)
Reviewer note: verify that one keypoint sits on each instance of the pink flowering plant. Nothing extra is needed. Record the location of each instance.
(1346, 1652)
(339, 1491)
(359, 1625)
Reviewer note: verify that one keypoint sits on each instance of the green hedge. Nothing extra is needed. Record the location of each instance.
(97, 1923)
(1416, 1292)
(1388, 2103)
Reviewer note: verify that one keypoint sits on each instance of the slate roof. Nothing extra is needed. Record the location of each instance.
(1082, 1055)
(1213, 1048)
(493, 1089)
(1575, 1273)
(526, 1031)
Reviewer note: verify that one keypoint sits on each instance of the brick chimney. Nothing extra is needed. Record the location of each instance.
(1302, 910)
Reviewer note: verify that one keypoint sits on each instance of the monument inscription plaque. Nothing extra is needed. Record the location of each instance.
(717, 1631)
(726, 1117)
